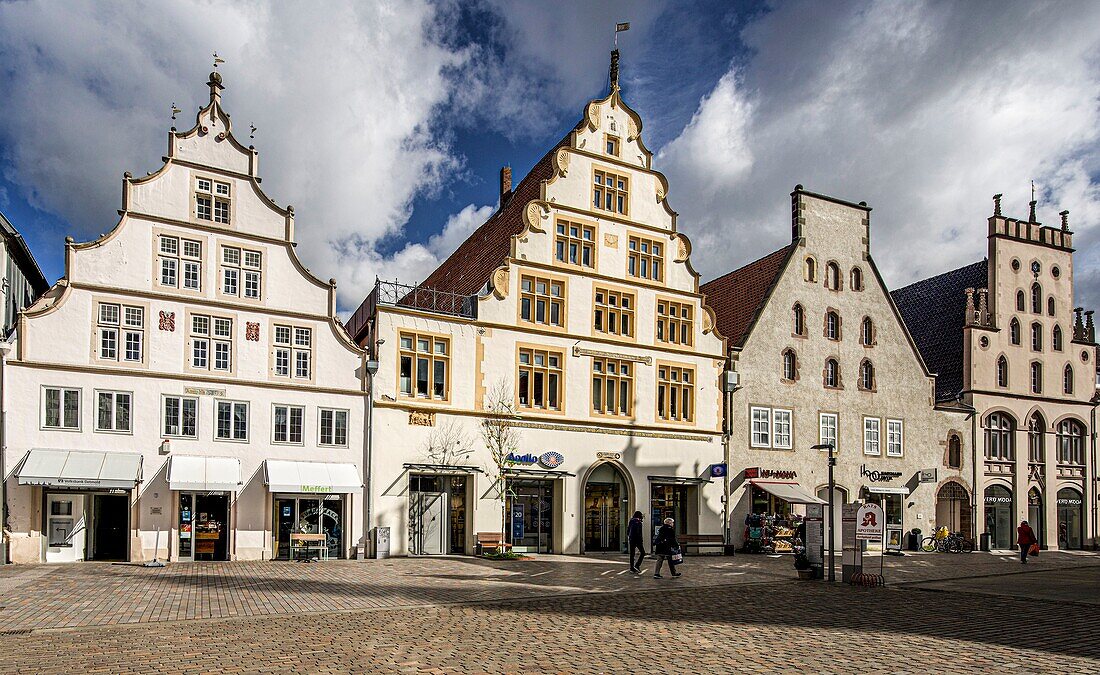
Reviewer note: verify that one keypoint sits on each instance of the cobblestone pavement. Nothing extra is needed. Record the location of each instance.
(564, 615)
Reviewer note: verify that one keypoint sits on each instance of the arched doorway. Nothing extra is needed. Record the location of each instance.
(1071, 519)
(840, 497)
(606, 502)
(999, 511)
(953, 508)
(1036, 515)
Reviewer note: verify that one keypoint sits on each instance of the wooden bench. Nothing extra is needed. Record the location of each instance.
(701, 540)
(490, 541)
(300, 542)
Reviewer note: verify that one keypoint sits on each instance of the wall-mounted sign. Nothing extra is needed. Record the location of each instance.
(998, 500)
(551, 460)
(526, 458)
(717, 470)
(1069, 502)
(200, 391)
(778, 474)
(928, 475)
(155, 510)
(878, 476)
(316, 488)
(608, 455)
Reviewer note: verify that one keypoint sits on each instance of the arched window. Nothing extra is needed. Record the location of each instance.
(867, 375)
(867, 332)
(811, 270)
(832, 325)
(1036, 439)
(954, 452)
(799, 320)
(1036, 337)
(832, 276)
(790, 365)
(1056, 339)
(1036, 298)
(1014, 331)
(832, 373)
(1067, 380)
(1000, 443)
(1071, 442)
(1002, 372)
(1021, 301)
(1050, 306)
(857, 279)
(1036, 377)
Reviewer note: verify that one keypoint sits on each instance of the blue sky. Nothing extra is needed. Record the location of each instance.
(385, 123)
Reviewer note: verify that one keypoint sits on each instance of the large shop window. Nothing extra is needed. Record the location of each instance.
(425, 366)
(437, 514)
(999, 520)
(530, 513)
(539, 379)
(1071, 519)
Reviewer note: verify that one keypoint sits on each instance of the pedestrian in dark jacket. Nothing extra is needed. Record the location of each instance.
(663, 547)
(1025, 537)
(634, 539)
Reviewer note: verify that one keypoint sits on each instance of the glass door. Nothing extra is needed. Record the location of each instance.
(309, 515)
(530, 515)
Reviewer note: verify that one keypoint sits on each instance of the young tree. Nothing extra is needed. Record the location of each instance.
(501, 438)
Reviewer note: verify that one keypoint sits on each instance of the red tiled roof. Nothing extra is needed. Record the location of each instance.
(738, 297)
(467, 270)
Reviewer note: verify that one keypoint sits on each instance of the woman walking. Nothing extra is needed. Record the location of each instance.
(634, 538)
(664, 546)
(1025, 537)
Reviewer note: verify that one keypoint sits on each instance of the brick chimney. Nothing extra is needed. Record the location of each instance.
(505, 183)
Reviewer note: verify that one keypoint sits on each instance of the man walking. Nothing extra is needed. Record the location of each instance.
(634, 539)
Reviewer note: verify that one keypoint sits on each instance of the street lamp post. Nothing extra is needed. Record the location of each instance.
(832, 490)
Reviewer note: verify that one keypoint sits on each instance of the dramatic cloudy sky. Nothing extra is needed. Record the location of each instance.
(385, 123)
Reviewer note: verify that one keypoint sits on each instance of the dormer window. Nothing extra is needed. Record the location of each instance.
(611, 145)
(212, 200)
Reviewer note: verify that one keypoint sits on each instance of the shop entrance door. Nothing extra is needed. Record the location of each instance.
(1070, 519)
(1036, 515)
(309, 515)
(427, 523)
(530, 510)
(110, 522)
(203, 527)
(65, 527)
(605, 497)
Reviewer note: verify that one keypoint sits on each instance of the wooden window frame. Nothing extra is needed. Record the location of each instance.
(432, 356)
(548, 372)
(609, 139)
(607, 370)
(232, 424)
(114, 394)
(564, 240)
(668, 325)
(604, 310)
(676, 384)
(890, 423)
(821, 438)
(637, 259)
(212, 341)
(241, 271)
(211, 190)
(618, 191)
(289, 425)
(336, 412)
(164, 416)
(62, 392)
(534, 297)
(293, 349)
(872, 438)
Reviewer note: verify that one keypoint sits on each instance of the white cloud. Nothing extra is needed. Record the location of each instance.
(346, 101)
(922, 110)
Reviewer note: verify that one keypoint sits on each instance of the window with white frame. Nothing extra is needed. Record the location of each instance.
(231, 419)
(293, 352)
(181, 415)
(771, 428)
(180, 262)
(872, 430)
(212, 200)
(287, 424)
(120, 332)
(333, 427)
(211, 343)
(761, 427)
(781, 429)
(60, 408)
(113, 410)
(894, 438)
(241, 272)
(827, 423)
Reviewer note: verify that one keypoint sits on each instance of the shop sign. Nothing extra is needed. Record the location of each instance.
(316, 488)
(608, 455)
(718, 470)
(200, 391)
(1069, 502)
(869, 522)
(517, 522)
(878, 476)
(928, 476)
(551, 460)
(779, 474)
(155, 510)
(526, 458)
(998, 500)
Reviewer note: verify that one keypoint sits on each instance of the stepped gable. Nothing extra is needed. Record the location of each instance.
(934, 311)
(468, 269)
(738, 297)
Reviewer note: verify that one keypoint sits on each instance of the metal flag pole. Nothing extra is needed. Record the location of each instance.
(620, 27)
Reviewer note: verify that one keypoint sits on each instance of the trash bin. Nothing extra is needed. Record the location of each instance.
(381, 542)
(983, 541)
(912, 541)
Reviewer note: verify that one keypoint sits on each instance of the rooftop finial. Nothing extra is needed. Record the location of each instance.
(1031, 216)
(1065, 220)
(997, 204)
(614, 69)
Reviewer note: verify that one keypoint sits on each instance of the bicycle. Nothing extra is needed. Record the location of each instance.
(951, 543)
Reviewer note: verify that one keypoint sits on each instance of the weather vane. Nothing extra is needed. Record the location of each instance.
(620, 27)
(175, 111)
(217, 60)
(253, 132)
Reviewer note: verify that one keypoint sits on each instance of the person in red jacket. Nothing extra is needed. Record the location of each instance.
(1025, 537)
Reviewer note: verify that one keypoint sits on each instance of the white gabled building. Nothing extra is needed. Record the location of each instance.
(185, 391)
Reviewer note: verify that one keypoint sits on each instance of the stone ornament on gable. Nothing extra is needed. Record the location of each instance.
(421, 418)
(534, 214)
(500, 282)
(611, 240)
(594, 115)
(683, 248)
(631, 129)
(168, 321)
(561, 159)
(252, 331)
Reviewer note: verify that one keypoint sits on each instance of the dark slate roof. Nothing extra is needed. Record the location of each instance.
(22, 254)
(738, 297)
(934, 311)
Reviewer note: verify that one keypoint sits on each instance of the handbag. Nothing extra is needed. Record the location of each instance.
(677, 555)
(1034, 550)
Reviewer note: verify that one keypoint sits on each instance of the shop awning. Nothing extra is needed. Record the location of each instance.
(81, 469)
(887, 490)
(443, 468)
(791, 493)
(316, 477)
(678, 480)
(516, 471)
(204, 474)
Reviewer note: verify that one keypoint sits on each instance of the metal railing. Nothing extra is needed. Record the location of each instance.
(413, 296)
